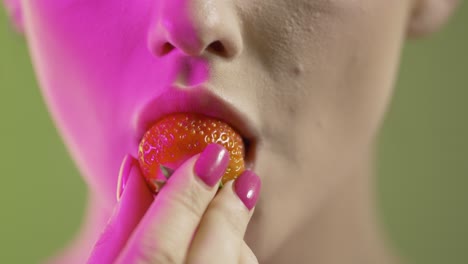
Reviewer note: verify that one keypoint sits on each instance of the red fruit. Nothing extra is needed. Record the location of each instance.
(177, 137)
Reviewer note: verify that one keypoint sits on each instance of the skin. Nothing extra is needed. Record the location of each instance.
(315, 78)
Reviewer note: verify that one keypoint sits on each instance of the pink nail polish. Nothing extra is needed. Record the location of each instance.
(247, 187)
(212, 164)
(127, 163)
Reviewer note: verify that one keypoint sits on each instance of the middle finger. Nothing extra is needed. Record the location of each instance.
(221, 232)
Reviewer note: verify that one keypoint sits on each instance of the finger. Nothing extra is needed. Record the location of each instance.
(134, 201)
(221, 232)
(165, 232)
(247, 256)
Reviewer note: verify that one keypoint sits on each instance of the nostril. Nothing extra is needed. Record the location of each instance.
(218, 48)
(165, 49)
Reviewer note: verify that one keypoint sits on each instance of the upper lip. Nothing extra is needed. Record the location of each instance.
(197, 100)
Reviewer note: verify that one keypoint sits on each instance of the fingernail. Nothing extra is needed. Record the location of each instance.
(247, 187)
(125, 168)
(212, 164)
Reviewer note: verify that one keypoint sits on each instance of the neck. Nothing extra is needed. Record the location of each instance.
(345, 230)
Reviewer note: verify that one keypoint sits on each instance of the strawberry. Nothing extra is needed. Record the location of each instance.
(177, 137)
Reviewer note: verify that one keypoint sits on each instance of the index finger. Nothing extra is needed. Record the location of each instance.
(164, 234)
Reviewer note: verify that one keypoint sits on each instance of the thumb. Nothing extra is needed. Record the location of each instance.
(134, 201)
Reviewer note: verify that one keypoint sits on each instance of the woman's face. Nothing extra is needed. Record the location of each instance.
(313, 78)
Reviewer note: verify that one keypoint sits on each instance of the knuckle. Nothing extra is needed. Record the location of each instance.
(248, 257)
(235, 219)
(190, 200)
(150, 254)
(253, 260)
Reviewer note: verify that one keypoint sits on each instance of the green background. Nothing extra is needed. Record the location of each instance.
(422, 165)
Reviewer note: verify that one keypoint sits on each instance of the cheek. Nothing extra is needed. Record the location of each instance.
(336, 79)
(331, 77)
(348, 83)
(366, 62)
(80, 51)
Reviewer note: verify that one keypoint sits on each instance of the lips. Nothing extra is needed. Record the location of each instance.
(202, 101)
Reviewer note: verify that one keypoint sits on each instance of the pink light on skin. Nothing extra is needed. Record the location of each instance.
(189, 71)
(168, 33)
(99, 62)
(171, 34)
(14, 12)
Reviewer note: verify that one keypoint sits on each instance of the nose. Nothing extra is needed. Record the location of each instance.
(195, 27)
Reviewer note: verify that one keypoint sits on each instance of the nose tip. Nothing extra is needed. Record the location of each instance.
(195, 27)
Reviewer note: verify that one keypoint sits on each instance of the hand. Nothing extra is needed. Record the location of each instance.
(187, 221)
